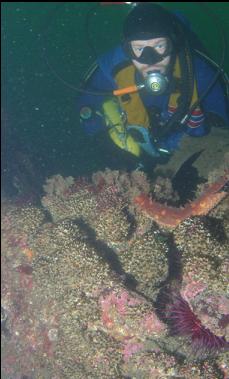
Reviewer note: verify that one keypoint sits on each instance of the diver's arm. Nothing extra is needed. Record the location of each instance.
(213, 107)
(102, 81)
(216, 101)
(196, 125)
(89, 105)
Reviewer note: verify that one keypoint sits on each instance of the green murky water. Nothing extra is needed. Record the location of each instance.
(39, 114)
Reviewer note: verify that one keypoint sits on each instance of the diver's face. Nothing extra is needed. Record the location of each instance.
(160, 45)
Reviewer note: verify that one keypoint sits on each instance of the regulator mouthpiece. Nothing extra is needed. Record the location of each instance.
(156, 82)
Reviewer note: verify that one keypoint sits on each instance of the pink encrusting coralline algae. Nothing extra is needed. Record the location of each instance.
(131, 348)
(123, 321)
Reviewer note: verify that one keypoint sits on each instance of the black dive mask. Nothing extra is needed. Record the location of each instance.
(149, 55)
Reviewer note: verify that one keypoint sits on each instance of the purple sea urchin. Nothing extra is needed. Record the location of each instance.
(184, 322)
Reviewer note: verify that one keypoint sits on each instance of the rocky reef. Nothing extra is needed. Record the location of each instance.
(94, 288)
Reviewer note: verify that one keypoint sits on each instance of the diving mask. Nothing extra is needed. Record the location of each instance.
(150, 55)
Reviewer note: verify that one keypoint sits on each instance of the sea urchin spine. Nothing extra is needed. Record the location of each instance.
(184, 322)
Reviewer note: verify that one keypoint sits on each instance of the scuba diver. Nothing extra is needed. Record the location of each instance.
(153, 89)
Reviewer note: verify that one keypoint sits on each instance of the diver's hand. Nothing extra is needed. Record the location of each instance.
(143, 139)
(140, 166)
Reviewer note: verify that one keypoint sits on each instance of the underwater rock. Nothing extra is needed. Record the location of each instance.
(202, 295)
(80, 289)
(204, 255)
